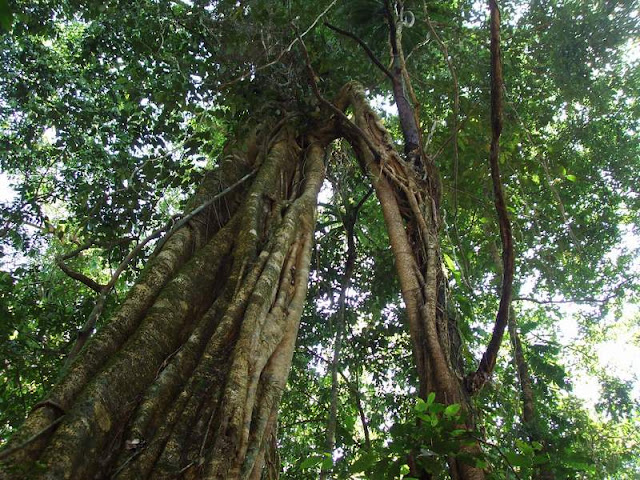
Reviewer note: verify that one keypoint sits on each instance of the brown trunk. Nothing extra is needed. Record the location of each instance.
(332, 421)
(411, 217)
(185, 379)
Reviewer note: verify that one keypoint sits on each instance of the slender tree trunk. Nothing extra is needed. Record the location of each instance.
(529, 418)
(185, 379)
(330, 440)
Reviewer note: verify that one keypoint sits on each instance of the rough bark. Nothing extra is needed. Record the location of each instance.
(185, 379)
(411, 216)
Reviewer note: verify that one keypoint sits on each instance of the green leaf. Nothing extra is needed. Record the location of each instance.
(517, 459)
(431, 398)
(6, 16)
(525, 447)
(452, 409)
(363, 463)
(327, 463)
(571, 178)
(449, 262)
(311, 462)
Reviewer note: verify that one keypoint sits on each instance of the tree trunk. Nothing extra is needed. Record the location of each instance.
(410, 208)
(185, 379)
(529, 418)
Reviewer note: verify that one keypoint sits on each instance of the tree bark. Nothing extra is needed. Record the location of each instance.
(529, 419)
(411, 215)
(350, 263)
(185, 379)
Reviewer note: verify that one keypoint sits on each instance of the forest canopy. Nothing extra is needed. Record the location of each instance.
(206, 197)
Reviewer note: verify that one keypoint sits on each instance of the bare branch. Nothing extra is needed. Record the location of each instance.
(82, 278)
(364, 46)
(92, 284)
(476, 380)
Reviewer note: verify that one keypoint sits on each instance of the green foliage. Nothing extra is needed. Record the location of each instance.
(111, 112)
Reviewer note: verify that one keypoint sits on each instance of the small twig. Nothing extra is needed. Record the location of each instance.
(185, 468)
(92, 284)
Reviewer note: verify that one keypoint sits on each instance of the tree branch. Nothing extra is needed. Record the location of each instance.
(89, 282)
(364, 46)
(331, 106)
(476, 380)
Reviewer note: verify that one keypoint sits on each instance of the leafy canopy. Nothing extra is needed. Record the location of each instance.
(111, 111)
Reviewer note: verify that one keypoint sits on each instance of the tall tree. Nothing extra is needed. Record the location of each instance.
(108, 109)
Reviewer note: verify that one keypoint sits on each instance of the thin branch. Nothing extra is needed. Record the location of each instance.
(588, 300)
(89, 282)
(92, 284)
(476, 380)
(199, 209)
(363, 199)
(364, 46)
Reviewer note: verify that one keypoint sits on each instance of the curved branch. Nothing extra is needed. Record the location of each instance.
(364, 46)
(92, 284)
(89, 282)
(476, 380)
